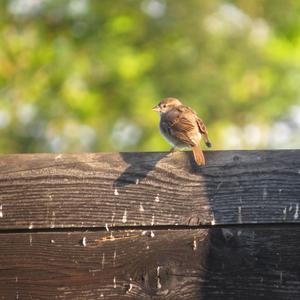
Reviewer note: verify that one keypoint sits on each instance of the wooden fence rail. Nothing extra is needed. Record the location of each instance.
(150, 226)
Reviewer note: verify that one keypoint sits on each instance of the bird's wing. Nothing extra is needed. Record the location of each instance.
(200, 123)
(181, 122)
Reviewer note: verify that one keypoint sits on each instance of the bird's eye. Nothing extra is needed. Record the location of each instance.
(164, 106)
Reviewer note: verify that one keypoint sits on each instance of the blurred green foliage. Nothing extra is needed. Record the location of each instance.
(82, 75)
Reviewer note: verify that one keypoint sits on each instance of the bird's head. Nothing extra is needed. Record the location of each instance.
(166, 104)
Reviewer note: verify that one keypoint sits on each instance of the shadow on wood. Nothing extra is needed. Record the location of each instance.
(137, 170)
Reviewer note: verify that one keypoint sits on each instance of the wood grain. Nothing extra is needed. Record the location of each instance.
(247, 263)
(134, 189)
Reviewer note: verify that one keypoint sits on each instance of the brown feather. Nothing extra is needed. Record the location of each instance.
(198, 155)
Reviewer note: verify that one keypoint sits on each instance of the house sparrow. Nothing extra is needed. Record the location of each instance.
(181, 127)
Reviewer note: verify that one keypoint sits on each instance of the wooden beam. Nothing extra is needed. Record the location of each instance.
(135, 189)
(247, 263)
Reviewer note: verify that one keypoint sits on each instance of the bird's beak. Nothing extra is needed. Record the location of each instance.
(156, 108)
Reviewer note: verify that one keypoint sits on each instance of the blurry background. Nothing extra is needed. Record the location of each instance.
(83, 75)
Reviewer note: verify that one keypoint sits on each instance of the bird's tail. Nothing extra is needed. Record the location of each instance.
(198, 155)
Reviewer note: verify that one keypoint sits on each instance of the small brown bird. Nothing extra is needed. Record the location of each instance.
(181, 127)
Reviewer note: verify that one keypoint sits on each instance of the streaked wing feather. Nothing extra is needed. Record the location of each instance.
(181, 126)
(201, 126)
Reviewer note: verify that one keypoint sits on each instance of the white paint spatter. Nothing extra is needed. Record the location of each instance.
(101, 295)
(152, 220)
(1, 211)
(195, 244)
(240, 214)
(144, 232)
(83, 241)
(137, 181)
(152, 234)
(30, 239)
(130, 286)
(265, 193)
(30, 225)
(124, 218)
(158, 278)
(213, 221)
(106, 227)
(52, 224)
(115, 256)
(141, 207)
(284, 213)
(156, 198)
(17, 292)
(147, 247)
(296, 215)
(112, 238)
(116, 192)
(115, 282)
(59, 156)
(103, 261)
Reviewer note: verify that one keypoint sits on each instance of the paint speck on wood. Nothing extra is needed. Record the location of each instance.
(265, 193)
(112, 238)
(115, 282)
(1, 211)
(141, 207)
(130, 286)
(115, 256)
(284, 213)
(106, 227)
(103, 260)
(59, 156)
(296, 215)
(194, 244)
(239, 214)
(116, 193)
(83, 241)
(156, 198)
(158, 278)
(152, 220)
(124, 218)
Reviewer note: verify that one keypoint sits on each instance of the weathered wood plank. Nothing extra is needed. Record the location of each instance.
(91, 190)
(248, 263)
